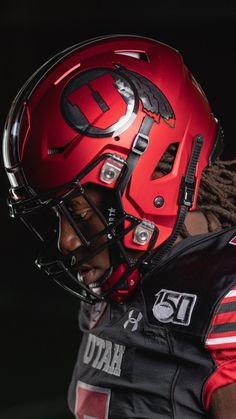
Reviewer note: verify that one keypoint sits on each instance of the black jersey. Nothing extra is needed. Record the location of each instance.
(146, 358)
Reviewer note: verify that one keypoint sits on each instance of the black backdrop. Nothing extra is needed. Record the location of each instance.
(39, 335)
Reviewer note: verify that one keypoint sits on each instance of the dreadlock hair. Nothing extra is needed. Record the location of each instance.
(217, 189)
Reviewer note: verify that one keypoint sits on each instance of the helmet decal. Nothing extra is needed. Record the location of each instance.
(89, 90)
(153, 100)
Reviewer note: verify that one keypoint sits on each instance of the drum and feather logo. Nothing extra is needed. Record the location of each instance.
(104, 102)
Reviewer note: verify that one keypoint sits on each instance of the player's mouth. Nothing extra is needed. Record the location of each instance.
(92, 276)
(88, 274)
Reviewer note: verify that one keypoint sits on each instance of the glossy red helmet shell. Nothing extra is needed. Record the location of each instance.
(92, 99)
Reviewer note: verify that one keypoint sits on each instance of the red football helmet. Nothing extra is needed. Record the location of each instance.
(103, 113)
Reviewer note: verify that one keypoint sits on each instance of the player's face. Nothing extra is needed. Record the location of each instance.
(90, 225)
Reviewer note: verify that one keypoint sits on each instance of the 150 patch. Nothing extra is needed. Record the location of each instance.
(174, 307)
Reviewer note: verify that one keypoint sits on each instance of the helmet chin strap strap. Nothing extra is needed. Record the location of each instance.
(185, 202)
(139, 147)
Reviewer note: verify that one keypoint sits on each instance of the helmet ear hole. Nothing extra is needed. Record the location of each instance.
(166, 162)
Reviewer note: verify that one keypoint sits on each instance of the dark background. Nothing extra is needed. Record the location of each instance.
(39, 334)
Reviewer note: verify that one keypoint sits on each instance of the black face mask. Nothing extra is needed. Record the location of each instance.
(39, 214)
(65, 268)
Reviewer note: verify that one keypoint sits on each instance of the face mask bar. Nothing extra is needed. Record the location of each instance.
(58, 271)
(23, 202)
(58, 268)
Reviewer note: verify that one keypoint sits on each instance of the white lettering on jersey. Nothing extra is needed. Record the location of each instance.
(103, 355)
(174, 307)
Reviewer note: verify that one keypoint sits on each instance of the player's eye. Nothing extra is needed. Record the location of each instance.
(78, 214)
(79, 217)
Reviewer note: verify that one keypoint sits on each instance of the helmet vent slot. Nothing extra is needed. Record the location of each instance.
(166, 162)
(54, 151)
(59, 150)
(140, 55)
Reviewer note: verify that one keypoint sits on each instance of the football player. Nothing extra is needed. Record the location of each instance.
(112, 153)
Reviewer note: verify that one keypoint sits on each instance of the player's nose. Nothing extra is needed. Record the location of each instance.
(68, 239)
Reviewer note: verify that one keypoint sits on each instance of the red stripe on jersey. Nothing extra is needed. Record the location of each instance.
(227, 345)
(222, 318)
(229, 299)
(220, 335)
(230, 296)
(225, 374)
(222, 345)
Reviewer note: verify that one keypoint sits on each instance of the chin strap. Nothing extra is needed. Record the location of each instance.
(139, 147)
(185, 202)
(121, 294)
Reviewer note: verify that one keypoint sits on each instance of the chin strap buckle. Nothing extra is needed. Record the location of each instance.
(140, 143)
(187, 191)
(188, 182)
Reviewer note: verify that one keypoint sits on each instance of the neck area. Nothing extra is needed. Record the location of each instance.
(196, 222)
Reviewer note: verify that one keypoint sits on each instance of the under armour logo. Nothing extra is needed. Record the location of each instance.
(133, 321)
